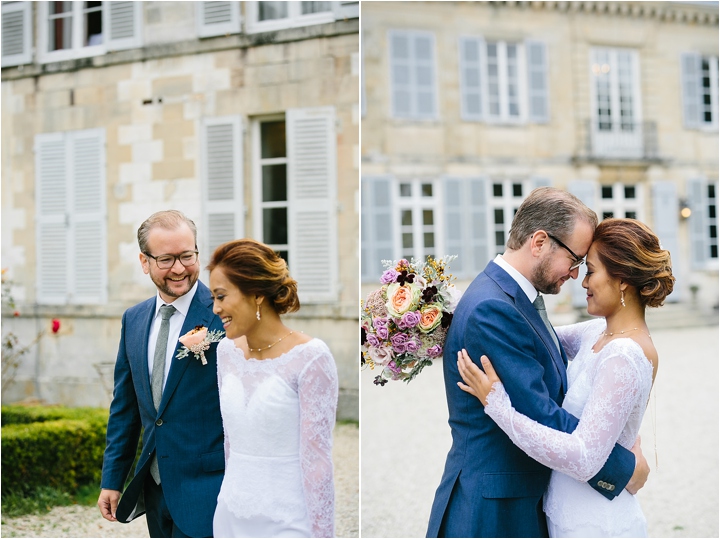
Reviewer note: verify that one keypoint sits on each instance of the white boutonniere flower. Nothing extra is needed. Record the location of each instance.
(198, 340)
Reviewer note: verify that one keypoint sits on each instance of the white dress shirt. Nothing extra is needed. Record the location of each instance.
(518, 277)
(182, 306)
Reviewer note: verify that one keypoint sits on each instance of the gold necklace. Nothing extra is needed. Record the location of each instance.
(269, 345)
(622, 332)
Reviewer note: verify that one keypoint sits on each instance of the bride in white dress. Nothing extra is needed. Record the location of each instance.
(278, 397)
(610, 377)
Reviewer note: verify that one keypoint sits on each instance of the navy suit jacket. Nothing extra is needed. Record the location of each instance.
(186, 430)
(490, 488)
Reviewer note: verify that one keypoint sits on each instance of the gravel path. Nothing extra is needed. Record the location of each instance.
(405, 439)
(79, 521)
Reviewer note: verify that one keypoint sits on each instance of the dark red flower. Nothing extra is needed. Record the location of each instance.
(55, 325)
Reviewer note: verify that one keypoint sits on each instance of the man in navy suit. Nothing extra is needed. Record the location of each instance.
(175, 401)
(490, 488)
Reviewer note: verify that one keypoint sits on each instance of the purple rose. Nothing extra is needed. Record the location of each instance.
(373, 340)
(435, 351)
(394, 368)
(382, 332)
(380, 322)
(399, 343)
(389, 276)
(412, 346)
(409, 320)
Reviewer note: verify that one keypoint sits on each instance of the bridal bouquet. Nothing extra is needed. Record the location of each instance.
(405, 321)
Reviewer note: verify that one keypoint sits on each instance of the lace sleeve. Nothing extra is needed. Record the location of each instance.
(615, 390)
(224, 349)
(318, 392)
(571, 336)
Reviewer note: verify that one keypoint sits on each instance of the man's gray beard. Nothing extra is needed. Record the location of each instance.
(541, 281)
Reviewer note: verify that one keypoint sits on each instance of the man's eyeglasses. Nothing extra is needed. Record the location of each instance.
(187, 259)
(579, 261)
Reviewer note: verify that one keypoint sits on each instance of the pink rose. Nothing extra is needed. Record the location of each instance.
(194, 336)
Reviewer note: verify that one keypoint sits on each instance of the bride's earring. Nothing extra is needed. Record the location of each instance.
(257, 313)
(622, 300)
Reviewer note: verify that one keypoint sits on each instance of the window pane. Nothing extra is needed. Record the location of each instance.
(284, 256)
(407, 217)
(517, 189)
(93, 24)
(713, 251)
(607, 191)
(499, 238)
(314, 7)
(631, 215)
(607, 215)
(405, 190)
(713, 231)
(272, 139)
(428, 217)
(429, 239)
(57, 8)
(497, 190)
(629, 191)
(499, 217)
(60, 26)
(427, 190)
(274, 178)
(275, 225)
(711, 190)
(407, 240)
(711, 212)
(272, 10)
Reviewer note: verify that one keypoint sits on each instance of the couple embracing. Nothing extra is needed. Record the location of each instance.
(544, 435)
(237, 431)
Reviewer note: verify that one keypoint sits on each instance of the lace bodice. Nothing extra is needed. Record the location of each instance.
(608, 392)
(278, 416)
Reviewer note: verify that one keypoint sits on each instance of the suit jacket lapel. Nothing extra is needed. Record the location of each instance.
(140, 349)
(199, 314)
(523, 304)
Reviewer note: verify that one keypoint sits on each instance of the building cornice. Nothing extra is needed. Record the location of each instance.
(679, 12)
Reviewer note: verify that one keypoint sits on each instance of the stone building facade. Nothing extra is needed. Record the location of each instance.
(243, 115)
(468, 106)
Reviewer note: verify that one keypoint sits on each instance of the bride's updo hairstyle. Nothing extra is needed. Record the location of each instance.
(630, 251)
(258, 270)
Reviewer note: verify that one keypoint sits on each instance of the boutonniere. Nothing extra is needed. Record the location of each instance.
(198, 340)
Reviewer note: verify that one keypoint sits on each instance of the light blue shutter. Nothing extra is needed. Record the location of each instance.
(424, 75)
(52, 245)
(222, 186)
(88, 221)
(537, 82)
(123, 21)
(665, 225)
(698, 226)
(586, 191)
(472, 50)
(466, 231)
(377, 231)
(217, 18)
(346, 10)
(16, 33)
(312, 187)
(691, 90)
(400, 74)
(412, 75)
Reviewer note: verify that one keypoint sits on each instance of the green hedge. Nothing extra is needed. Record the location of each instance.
(51, 446)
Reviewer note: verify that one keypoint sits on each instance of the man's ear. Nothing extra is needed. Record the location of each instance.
(145, 263)
(539, 241)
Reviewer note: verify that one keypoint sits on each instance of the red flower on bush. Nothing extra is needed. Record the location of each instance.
(55, 325)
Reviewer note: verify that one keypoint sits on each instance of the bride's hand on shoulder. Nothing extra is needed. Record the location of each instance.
(477, 382)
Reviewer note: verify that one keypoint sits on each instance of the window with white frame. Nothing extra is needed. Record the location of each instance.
(503, 81)
(412, 75)
(295, 193)
(703, 223)
(71, 232)
(271, 16)
(616, 108)
(700, 91)
(68, 30)
(417, 218)
(505, 199)
(620, 200)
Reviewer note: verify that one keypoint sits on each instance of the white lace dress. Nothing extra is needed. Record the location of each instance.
(608, 392)
(278, 416)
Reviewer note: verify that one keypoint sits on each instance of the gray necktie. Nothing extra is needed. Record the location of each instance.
(539, 305)
(158, 372)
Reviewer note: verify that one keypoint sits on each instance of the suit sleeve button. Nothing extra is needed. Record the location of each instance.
(158, 422)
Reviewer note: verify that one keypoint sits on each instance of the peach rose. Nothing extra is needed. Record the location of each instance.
(402, 298)
(194, 337)
(430, 317)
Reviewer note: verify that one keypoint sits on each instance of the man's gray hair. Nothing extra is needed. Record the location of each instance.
(167, 219)
(553, 210)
